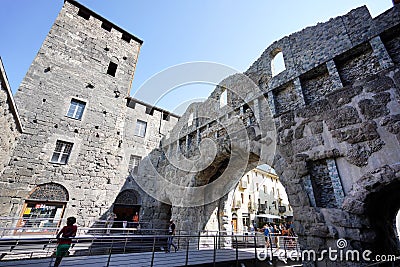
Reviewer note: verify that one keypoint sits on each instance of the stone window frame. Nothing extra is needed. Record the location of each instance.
(140, 128)
(63, 149)
(76, 109)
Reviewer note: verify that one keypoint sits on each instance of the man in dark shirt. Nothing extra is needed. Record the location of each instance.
(171, 232)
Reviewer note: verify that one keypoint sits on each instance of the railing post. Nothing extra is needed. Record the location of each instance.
(270, 245)
(198, 242)
(187, 252)
(109, 253)
(126, 241)
(215, 250)
(153, 250)
(255, 249)
(237, 252)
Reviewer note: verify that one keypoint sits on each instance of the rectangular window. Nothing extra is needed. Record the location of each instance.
(134, 164)
(140, 129)
(76, 109)
(61, 152)
(112, 69)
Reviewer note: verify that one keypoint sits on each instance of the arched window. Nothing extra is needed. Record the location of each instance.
(223, 99)
(44, 208)
(190, 120)
(277, 63)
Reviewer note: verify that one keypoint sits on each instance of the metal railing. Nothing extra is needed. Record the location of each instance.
(202, 247)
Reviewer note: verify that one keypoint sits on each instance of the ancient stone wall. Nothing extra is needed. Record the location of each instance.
(9, 120)
(335, 108)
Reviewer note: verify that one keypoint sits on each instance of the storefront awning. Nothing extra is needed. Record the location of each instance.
(270, 216)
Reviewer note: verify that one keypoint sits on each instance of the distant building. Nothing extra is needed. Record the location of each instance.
(258, 198)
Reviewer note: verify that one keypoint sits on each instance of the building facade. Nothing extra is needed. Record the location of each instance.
(259, 198)
(83, 135)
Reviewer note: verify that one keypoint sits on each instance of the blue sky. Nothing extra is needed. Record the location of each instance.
(229, 32)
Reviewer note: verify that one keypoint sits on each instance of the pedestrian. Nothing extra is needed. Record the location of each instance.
(110, 221)
(135, 220)
(171, 233)
(64, 242)
(266, 235)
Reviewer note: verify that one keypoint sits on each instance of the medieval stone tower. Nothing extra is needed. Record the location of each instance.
(74, 101)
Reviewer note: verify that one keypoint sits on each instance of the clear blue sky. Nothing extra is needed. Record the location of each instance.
(229, 32)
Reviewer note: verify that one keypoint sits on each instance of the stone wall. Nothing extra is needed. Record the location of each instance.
(9, 120)
(335, 109)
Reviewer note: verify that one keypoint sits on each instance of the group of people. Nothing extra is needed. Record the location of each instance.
(112, 216)
(272, 231)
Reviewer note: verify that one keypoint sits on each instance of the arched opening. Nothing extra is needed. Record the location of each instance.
(260, 198)
(223, 99)
(190, 120)
(382, 208)
(125, 207)
(44, 208)
(277, 62)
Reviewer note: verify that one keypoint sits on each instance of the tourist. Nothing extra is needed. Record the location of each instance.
(110, 221)
(171, 233)
(266, 235)
(135, 220)
(64, 243)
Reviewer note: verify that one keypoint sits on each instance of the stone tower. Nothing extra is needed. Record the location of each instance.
(73, 105)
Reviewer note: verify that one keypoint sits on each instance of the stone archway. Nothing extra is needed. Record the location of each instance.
(126, 204)
(375, 201)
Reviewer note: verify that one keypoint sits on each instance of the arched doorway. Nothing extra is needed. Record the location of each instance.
(382, 207)
(44, 208)
(126, 205)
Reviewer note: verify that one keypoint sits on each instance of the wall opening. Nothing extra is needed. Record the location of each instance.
(126, 37)
(112, 69)
(84, 14)
(106, 26)
(223, 98)
(277, 63)
(126, 204)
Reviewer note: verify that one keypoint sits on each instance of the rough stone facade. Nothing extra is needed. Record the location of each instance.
(334, 121)
(10, 123)
(336, 109)
(73, 66)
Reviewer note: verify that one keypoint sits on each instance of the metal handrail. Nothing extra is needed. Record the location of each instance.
(121, 243)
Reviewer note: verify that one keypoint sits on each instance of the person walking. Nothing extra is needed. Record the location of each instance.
(171, 233)
(64, 242)
(110, 221)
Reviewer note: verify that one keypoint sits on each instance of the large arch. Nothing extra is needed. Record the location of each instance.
(126, 204)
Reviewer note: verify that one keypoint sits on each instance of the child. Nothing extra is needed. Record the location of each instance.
(65, 241)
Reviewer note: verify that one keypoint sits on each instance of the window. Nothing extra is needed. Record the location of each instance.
(190, 120)
(134, 164)
(112, 69)
(277, 63)
(140, 129)
(242, 197)
(76, 109)
(61, 152)
(223, 99)
(265, 189)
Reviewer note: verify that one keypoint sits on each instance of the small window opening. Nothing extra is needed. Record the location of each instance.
(223, 99)
(126, 37)
(277, 63)
(190, 120)
(112, 69)
(106, 26)
(83, 14)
